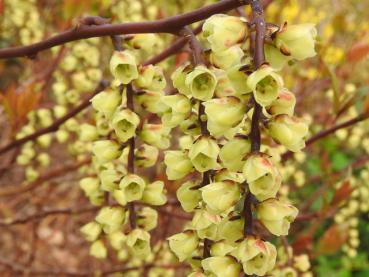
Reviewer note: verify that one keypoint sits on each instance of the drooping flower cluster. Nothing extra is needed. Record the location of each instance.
(216, 164)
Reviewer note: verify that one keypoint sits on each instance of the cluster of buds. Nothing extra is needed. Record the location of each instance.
(127, 199)
(216, 165)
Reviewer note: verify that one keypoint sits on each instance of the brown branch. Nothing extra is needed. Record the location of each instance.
(255, 136)
(11, 190)
(168, 25)
(328, 132)
(56, 124)
(43, 214)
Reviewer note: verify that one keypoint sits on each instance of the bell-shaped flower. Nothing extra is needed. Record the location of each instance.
(89, 185)
(151, 77)
(289, 131)
(154, 194)
(106, 150)
(138, 241)
(227, 175)
(107, 101)
(265, 84)
(231, 230)
(201, 83)
(151, 101)
(177, 164)
(146, 155)
(298, 41)
(133, 187)
(188, 197)
(206, 224)
(123, 66)
(289, 272)
(98, 250)
(221, 196)
(156, 135)
(257, 256)
(223, 114)
(147, 218)
(262, 176)
(183, 244)
(221, 248)
(91, 231)
(179, 79)
(275, 57)
(117, 240)
(233, 152)
(238, 76)
(109, 179)
(224, 86)
(204, 154)
(111, 218)
(124, 123)
(221, 266)
(284, 104)
(190, 126)
(223, 31)
(227, 58)
(178, 109)
(276, 216)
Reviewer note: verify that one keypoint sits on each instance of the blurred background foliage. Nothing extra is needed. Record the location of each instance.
(329, 182)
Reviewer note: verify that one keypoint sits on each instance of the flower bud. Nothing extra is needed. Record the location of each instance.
(109, 179)
(223, 114)
(44, 141)
(221, 266)
(88, 132)
(233, 151)
(179, 79)
(298, 41)
(124, 123)
(201, 83)
(224, 86)
(238, 79)
(44, 117)
(151, 77)
(156, 135)
(147, 218)
(91, 231)
(223, 31)
(302, 262)
(154, 194)
(89, 185)
(265, 84)
(189, 198)
(289, 131)
(146, 155)
(120, 197)
(191, 126)
(107, 101)
(262, 176)
(133, 187)
(139, 242)
(221, 196)
(106, 150)
(43, 159)
(204, 154)
(183, 244)
(111, 218)
(276, 216)
(257, 256)
(227, 58)
(151, 101)
(284, 104)
(31, 174)
(117, 240)
(220, 249)
(178, 164)
(123, 66)
(275, 57)
(98, 250)
(289, 272)
(178, 109)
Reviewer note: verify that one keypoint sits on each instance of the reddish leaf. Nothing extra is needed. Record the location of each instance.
(358, 51)
(302, 243)
(342, 193)
(333, 239)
